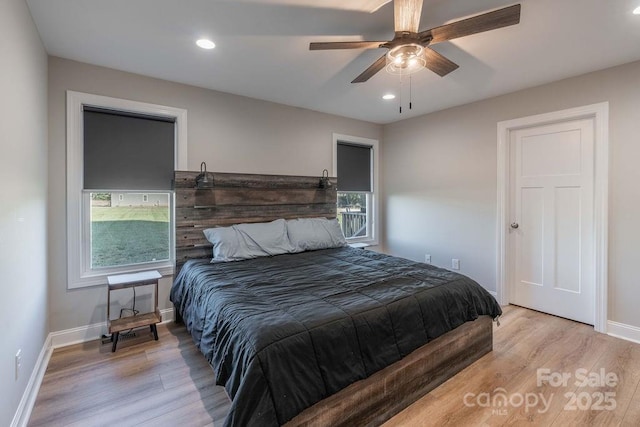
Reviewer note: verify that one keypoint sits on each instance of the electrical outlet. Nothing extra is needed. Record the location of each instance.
(427, 259)
(18, 363)
(455, 264)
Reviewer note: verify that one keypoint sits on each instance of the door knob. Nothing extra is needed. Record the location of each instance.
(514, 225)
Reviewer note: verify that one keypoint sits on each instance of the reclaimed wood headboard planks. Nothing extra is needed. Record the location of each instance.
(242, 198)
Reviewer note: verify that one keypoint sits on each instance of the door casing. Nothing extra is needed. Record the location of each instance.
(505, 263)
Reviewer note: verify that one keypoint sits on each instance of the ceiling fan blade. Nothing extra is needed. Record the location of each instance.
(406, 14)
(476, 24)
(438, 63)
(345, 45)
(372, 70)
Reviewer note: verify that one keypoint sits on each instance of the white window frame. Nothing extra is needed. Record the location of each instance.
(373, 208)
(79, 272)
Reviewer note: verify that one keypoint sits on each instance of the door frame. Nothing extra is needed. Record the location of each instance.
(505, 263)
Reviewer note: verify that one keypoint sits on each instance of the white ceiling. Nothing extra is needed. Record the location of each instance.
(263, 47)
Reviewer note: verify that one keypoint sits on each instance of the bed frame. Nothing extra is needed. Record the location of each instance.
(242, 198)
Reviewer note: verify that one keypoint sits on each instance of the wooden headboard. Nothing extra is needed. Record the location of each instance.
(241, 198)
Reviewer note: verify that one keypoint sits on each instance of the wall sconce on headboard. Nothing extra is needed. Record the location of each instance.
(202, 180)
(324, 180)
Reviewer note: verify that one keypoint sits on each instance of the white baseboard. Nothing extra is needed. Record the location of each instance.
(55, 340)
(77, 335)
(626, 332)
(167, 315)
(23, 413)
(92, 332)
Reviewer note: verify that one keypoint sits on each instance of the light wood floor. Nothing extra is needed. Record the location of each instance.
(168, 382)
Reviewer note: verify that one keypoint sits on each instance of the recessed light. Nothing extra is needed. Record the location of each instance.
(636, 11)
(206, 44)
(388, 96)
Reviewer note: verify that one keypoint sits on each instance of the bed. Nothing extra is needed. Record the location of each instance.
(337, 336)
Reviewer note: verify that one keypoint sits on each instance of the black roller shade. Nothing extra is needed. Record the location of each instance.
(354, 167)
(127, 151)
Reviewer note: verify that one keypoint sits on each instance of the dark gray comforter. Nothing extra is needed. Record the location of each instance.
(284, 332)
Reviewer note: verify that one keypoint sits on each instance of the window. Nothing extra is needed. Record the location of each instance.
(356, 166)
(129, 233)
(121, 156)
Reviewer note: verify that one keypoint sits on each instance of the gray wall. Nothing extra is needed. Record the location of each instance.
(23, 196)
(229, 132)
(440, 179)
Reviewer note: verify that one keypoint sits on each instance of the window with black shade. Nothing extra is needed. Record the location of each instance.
(121, 156)
(356, 195)
(128, 168)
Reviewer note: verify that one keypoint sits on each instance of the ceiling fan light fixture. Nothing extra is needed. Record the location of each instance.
(405, 59)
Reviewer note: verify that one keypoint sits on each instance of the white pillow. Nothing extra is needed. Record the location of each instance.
(310, 234)
(246, 241)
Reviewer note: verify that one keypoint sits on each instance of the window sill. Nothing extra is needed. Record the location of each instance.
(101, 278)
(359, 245)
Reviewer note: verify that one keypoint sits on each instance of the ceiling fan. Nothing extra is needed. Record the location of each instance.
(409, 50)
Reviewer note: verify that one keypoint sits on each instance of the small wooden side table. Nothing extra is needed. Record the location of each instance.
(122, 281)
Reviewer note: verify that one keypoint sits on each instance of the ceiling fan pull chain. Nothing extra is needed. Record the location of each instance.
(409, 91)
(400, 97)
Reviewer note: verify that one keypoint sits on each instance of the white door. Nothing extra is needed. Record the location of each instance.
(552, 216)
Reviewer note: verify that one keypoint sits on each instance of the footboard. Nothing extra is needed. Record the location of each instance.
(387, 392)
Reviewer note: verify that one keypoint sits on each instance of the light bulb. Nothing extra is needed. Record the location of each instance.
(205, 44)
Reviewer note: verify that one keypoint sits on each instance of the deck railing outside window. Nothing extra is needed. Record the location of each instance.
(354, 224)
